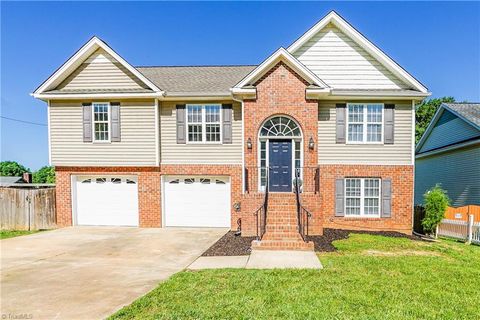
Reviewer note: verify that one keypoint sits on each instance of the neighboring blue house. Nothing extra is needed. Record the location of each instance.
(449, 154)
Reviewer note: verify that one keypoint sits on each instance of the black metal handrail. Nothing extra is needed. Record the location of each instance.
(261, 212)
(303, 215)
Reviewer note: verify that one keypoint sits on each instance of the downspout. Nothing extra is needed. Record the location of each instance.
(413, 162)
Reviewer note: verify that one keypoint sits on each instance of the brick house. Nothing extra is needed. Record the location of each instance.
(331, 116)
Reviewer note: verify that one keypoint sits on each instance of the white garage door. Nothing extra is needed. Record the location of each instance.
(192, 201)
(106, 201)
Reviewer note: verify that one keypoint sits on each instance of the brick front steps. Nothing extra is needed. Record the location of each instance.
(282, 225)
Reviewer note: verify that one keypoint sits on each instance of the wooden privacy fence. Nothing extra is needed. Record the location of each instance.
(468, 231)
(462, 213)
(27, 208)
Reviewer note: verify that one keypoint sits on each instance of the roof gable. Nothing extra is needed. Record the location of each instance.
(333, 19)
(101, 71)
(281, 55)
(447, 128)
(84, 53)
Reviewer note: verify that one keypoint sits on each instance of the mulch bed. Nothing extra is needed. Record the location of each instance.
(324, 243)
(230, 245)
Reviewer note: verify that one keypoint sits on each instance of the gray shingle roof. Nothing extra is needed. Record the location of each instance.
(469, 111)
(9, 181)
(193, 80)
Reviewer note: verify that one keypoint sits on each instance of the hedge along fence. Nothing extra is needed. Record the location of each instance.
(27, 208)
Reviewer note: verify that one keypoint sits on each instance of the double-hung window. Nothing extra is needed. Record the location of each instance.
(101, 122)
(365, 122)
(204, 123)
(362, 197)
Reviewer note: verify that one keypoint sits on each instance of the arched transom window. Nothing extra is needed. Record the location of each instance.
(280, 126)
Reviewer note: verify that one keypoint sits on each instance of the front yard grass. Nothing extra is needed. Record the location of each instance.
(5, 234)
(369, 277)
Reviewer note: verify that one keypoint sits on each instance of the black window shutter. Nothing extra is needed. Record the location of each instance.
(339, 198)
(115, 121)
(341, 129)
(227, 123)
(386, 198)
(87, 122)
(389, 124)
(181, 124)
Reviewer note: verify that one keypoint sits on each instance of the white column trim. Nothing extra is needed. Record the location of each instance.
(49, 136)
(157, 134)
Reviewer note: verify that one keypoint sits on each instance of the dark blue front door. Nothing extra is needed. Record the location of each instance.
(280, 161)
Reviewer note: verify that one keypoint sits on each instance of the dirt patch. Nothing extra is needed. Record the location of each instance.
(230, 245)
(324, 243)
(402, 253)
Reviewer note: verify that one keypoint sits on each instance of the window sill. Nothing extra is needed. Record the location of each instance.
(361, 218)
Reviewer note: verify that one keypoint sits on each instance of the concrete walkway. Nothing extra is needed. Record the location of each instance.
(91, 272)
(261, 259)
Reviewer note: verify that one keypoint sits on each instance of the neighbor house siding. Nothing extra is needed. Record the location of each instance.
(330, 152)
(101, 71)
(342, 63)
(448, 130)
(136, 148)
(458, 172)
(201, 153)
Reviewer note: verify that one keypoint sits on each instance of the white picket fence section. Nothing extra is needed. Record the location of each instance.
(467, 231)
(476, 233)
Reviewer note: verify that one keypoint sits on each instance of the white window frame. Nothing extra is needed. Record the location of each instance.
(362, 198)
(204, 123)
(365, 123)
(94, 140)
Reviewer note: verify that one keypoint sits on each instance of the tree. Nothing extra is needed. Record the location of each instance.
(12, 169)
(45, 174)
(436, 202)
(425, 112)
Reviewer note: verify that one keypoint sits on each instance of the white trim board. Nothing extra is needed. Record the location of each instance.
(79, 57)
(363, 42)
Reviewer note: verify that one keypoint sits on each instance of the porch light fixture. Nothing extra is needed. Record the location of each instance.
(311, 144)
(249, 143)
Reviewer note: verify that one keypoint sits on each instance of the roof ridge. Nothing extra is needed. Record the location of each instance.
(461, 102)
(197, 66)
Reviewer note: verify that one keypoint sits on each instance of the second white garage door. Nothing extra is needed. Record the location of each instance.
(192, 201)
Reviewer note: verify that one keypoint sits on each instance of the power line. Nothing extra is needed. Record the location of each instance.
(23, 121)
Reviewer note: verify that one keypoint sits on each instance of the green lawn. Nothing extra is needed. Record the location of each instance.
(4, 234)
(370, 277)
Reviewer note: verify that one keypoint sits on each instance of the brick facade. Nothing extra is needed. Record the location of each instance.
(281, 91)
(402, 197)
(149, 188)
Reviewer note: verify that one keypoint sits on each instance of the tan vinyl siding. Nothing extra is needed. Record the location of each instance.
(341, 63)
(200, 153)
(101, 71)
(399, 153)
(137, 146)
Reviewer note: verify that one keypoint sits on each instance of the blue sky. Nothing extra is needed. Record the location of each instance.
(438, 42)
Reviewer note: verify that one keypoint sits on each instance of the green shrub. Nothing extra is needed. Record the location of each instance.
(436, 202)
(12, 169)
(44, 175)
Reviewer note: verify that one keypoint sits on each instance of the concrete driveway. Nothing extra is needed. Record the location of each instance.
(91, 272)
